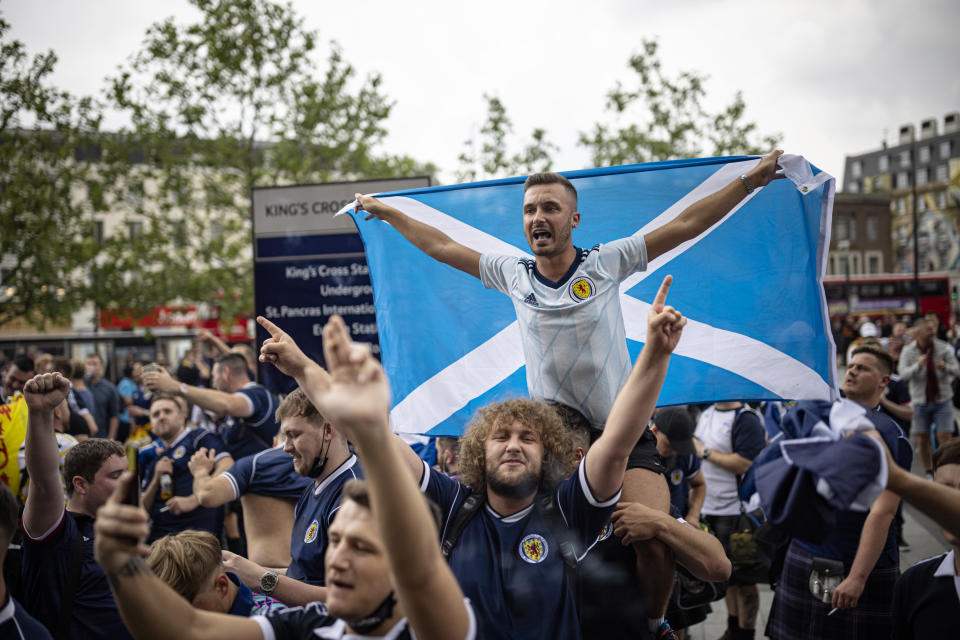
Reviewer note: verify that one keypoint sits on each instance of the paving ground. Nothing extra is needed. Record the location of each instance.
(922, 534)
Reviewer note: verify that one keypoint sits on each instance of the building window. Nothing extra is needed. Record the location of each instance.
(884, 164)
(874, 262)
(831, 265)
(852, 233)
(855, 266)
(921, 205)
(903, 180)
(854, 187)
(856, 169)
(134, 228)
(843, 265)
(945, 150)
(922, 175)
(923, 154)
(901, 206)
(873, 226)
(841, 229)
(904, 159)
(942, 173)
(941, 200)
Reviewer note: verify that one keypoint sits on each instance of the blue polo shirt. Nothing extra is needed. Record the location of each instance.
(268, 473)
(510, 567)
(246, 436)
(180, 451)
(844, 538)
(312, 518)
(46, 564)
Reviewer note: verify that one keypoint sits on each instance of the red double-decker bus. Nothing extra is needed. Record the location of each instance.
(878, 295)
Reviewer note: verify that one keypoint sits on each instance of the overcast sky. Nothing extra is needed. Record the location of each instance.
(832, 76)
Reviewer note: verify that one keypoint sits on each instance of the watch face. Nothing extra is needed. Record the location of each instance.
(268, 581)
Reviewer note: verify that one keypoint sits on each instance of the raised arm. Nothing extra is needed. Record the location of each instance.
(220, 402)
(44, 394)
(210, 487)
(606, 460)
(431, 241)
(150, 609)
(705, 213)
(358, 400)
(282, 351)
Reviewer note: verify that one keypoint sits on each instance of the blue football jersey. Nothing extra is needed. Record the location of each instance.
(182, 449)
(510, 567)
(46, 564)
(268, 473)
(245, 436)
(313, 515)
(684, 467)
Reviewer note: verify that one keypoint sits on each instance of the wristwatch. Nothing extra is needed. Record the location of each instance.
(268, 582)
(746, 184)
(706, 453)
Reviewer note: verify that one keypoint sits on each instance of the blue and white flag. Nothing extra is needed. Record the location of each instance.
(750, 287)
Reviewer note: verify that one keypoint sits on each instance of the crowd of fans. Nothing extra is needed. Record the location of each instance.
(262, 517)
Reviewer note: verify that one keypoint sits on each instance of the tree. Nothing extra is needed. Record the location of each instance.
(494, 160)
(47, 145)
(217, 108)
(671, 119)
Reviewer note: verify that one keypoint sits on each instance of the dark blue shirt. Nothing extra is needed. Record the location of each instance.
(842, 541)
(510, 567)
(186, 444)
(684, 467)
(141, 397)
(312, 518)
(17, 624)
(46, 564)
(106, 404)
(268, 473)
(246, 436)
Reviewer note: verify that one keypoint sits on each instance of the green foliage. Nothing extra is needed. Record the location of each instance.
(665, 119)
(217, 108)
(46, 234)
(493, 159)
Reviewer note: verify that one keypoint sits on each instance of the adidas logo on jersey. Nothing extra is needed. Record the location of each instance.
(531, 300)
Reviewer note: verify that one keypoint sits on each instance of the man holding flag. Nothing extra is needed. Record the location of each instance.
(567, 304)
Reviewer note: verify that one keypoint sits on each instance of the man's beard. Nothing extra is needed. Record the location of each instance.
(521, 487)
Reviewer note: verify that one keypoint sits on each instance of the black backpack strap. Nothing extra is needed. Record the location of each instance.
(464, 514)
(69, 594)
(558, 529)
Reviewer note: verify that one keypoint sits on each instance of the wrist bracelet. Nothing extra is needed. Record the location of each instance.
(746, 183)
(183, 388)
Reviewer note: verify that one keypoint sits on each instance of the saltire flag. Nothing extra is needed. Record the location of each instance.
(750, 286)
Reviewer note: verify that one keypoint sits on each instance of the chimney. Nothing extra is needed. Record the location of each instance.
(928, 128)
(951, 122)
(907, 133)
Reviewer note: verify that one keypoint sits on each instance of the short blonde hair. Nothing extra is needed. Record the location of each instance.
(298, 404)
(186, 561)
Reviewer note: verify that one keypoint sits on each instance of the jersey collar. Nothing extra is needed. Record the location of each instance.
(345, 466)
(514, 517)
(581, 254)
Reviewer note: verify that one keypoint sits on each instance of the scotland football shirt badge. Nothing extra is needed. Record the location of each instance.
(606, 533)
(311, 533)
(582, 288)
(676, 476)
(533, 548)
(179, 452)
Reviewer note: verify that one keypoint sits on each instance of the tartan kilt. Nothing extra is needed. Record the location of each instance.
(797, 614)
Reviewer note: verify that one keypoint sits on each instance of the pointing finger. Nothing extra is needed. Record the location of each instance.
(661, 297)
(272, 329)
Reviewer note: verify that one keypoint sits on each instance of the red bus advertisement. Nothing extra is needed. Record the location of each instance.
(879, 295)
